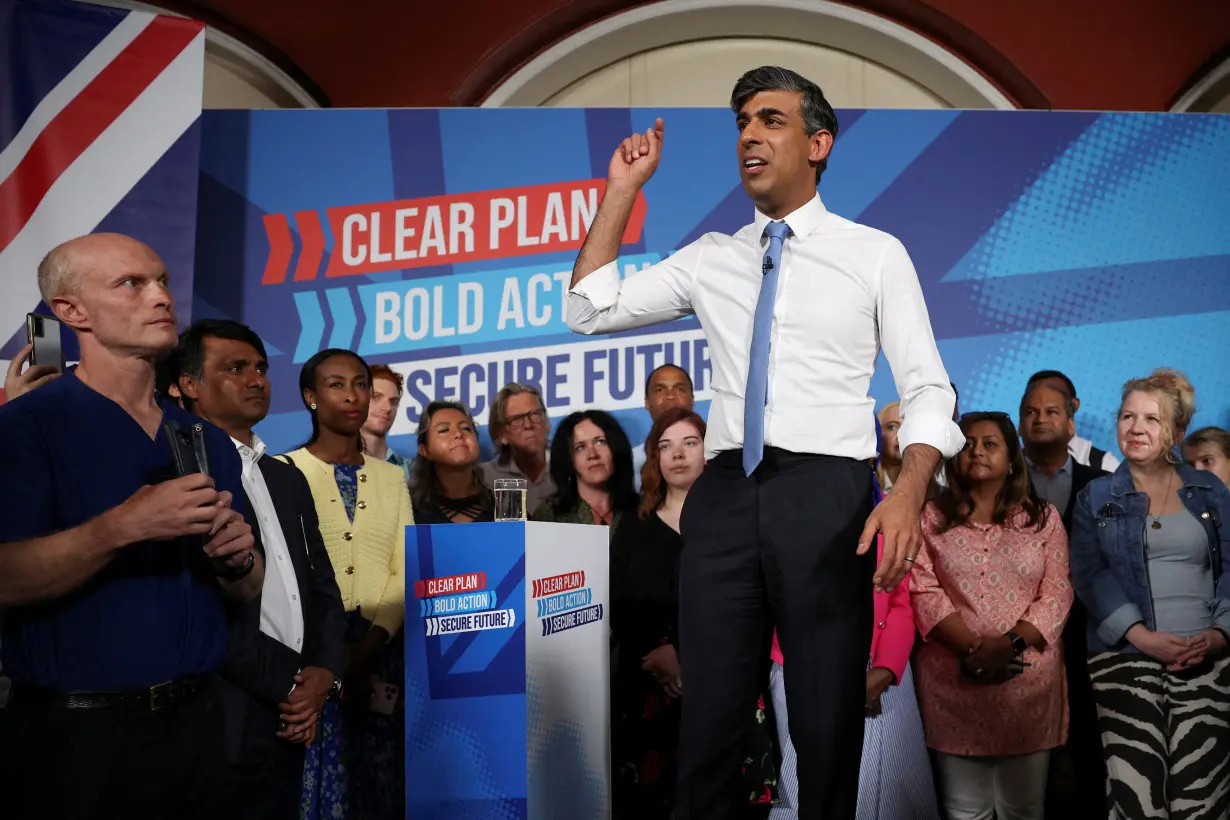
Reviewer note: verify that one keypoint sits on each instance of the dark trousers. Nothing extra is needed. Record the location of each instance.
(267, 780)
(1078, 770)
(79, 764)
(775, 549)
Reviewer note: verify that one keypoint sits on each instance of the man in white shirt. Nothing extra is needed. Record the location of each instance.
(1082, 449)
(286, 647)
(796, 307)
(667, 386)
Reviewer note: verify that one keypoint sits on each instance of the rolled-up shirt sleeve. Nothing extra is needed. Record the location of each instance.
(908, 342)
(602, 302)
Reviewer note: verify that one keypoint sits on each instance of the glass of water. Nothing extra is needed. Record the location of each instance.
(510, 499)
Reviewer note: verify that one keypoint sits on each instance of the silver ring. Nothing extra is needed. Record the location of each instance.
(908, 558)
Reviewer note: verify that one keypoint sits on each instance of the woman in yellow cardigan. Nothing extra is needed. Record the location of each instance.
(364, 509)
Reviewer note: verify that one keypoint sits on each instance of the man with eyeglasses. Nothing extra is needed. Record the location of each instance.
(518, 425)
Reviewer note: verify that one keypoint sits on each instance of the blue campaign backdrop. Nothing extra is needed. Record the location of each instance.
(1098, 244)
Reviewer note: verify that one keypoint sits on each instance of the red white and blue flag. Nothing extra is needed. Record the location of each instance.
(99, 131)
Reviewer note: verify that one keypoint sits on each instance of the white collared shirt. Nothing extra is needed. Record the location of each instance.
(1081, 449)
(845, 292)
(281, 609)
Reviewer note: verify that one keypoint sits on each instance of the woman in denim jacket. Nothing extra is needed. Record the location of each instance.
(1147, 560)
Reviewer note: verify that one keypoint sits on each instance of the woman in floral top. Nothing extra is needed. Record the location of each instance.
(991, 593)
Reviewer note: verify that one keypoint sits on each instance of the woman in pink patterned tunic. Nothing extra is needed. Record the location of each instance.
(990, 590)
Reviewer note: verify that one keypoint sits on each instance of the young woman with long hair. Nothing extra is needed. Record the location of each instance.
(647, 686)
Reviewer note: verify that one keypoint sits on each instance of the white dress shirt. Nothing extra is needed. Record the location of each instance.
(281, 609)
(1081, 449)
(844, 292)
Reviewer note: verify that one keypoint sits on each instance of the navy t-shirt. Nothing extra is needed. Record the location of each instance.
(155, 613)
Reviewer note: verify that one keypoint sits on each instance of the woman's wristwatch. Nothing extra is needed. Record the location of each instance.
(1019, 644)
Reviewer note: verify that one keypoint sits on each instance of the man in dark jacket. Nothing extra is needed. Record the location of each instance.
(1078, 781)
(286, 647)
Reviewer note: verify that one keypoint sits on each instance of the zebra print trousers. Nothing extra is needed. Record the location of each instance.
(1166, 737)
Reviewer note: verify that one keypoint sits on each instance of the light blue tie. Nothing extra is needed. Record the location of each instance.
(758, 358)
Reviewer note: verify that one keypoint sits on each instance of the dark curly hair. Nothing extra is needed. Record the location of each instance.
(564, 474)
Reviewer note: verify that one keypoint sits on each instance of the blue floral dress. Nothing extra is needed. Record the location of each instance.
(326, 780)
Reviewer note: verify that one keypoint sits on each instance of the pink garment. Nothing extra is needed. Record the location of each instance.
(993, 576)
(893, 635)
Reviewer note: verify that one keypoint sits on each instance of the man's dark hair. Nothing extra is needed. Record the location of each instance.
(189, 355)
(1042, 375)
(817, 113)
(654, 372)
(1069, 403)
(191, 349)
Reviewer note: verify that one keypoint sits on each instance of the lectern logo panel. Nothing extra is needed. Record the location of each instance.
(564, 602)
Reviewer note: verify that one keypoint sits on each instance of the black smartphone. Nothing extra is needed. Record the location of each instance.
(187, 447)
(47, 347)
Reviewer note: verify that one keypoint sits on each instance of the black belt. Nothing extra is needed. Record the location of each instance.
(160, 696)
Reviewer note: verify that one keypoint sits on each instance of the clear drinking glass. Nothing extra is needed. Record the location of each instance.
(510, 499)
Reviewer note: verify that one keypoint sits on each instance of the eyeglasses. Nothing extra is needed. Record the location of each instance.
(523, 420)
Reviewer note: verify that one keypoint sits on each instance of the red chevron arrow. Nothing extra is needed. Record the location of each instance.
(313, 245)
(280, 248)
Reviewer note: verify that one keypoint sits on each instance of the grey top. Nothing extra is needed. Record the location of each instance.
(1056, 489)
(536, 491)
(1180, 576)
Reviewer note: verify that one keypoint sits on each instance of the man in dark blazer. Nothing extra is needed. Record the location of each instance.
(286, 647)
(1078, 770)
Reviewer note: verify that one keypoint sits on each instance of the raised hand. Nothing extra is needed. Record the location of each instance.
(636, 158)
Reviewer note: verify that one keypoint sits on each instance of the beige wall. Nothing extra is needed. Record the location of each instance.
(231, 83)
(702, 73)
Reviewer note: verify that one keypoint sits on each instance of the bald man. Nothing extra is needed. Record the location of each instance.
(114, 569)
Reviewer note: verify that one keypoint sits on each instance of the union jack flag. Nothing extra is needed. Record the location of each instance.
(99, 112)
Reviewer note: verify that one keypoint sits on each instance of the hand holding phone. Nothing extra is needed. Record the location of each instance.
(17, 383)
